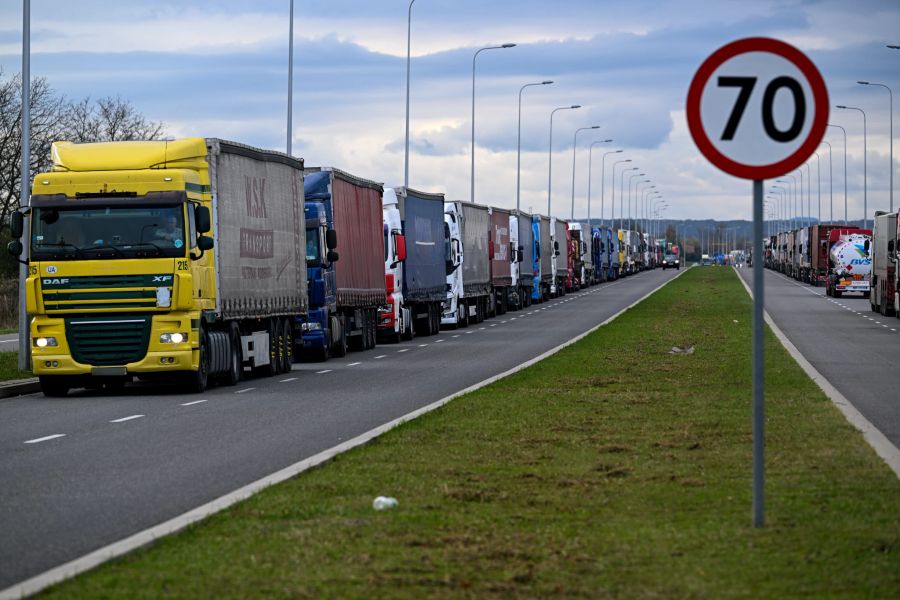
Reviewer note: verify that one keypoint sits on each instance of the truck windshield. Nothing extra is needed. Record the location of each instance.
(313, 258)
(107, 232)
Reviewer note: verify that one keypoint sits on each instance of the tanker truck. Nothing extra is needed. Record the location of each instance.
(849, 262)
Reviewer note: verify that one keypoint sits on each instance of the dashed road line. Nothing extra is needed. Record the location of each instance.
(245, 390)
(288, 379)
(353, 364)
(128, 418)
(193, 403)
(403, 350)
(381, 356)
(45, 438)
(323, 371)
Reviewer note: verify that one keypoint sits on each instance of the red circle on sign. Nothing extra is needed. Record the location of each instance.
(820, 106)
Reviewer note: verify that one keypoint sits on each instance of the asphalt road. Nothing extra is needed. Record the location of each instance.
(123, 463)
(856, 350)
(9, 342)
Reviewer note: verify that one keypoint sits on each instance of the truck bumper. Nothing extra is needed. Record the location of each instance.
(63, 364)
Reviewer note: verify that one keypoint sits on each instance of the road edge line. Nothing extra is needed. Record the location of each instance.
(873, 436)
(143, 538)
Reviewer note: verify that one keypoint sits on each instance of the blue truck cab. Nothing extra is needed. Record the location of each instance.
(316, 329)
(536, 260)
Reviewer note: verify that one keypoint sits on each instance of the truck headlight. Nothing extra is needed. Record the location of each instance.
(43, 342)
(173, 338)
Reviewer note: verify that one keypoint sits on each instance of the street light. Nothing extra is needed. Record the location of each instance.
(406, 150)
(830, 183)
(792, 200)
(477, 52)
(290, 98)
(645, 210)
(639, 208)
(590, 166)
(612, 209)
(846, 222)
(574, 146)
(519, 142)
(550, 154)
(630, 180)
(891, 105)
(865, 183)
(808, 195)
(622, 197)
(603, 183)
(784, 205)
(819, 183)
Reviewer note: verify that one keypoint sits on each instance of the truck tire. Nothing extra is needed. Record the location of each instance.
(287, 361)
(199, 380)
(54, 387)
(339, 345)
(236, 364)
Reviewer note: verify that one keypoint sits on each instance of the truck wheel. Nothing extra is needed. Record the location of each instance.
(287, 362)
(236, 365)
(200, 378)
(373, 328)
(339, 345)
(54, 387)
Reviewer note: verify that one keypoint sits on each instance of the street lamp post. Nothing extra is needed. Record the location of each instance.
(477, 52)
(574, 147)
(792, 199)
(519, 141)
(550, 153)
(891, 105)
(808, 195)
(622, 197)
(645, 210)
(290, 98)
(830, 183)
(603, 184)
(590, 177)
(612, 209)
(819, 184)
(630, 180)
(406, 146)
(639, 207)
(865, 174)
(846, 222)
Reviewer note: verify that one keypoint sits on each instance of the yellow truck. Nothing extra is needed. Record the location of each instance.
(178, 259)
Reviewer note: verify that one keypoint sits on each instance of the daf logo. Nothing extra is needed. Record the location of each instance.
(55, 281)
(161, 278)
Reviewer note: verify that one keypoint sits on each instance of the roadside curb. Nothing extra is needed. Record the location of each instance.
(877, 440)
(148, 536)
(19, 387)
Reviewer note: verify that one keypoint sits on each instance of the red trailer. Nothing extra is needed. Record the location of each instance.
(501, 263)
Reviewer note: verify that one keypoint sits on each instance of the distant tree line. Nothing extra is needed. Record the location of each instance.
(55, 117)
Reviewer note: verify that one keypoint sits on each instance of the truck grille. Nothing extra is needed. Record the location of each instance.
(103, 291)
(109, 340)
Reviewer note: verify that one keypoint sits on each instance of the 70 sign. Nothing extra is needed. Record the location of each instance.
(757, 108)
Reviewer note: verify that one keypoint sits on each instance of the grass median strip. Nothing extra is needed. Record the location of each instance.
(613, 468)
(9, 367)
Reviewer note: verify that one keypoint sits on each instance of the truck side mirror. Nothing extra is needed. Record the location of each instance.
(202, 216)
(204, 242)
(16, 225)
(331, 256)
(331, 239)
(400, 241)
(891, 247)
(15, 247)
(556, 247)
(866, 246)
(520, 256)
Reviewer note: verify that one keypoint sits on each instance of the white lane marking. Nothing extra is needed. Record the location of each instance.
(245, 390)
(892, 329)
(323, 371)
(482, 328)
(45, 438)
(129, 418)
(148, 536)
(9, 342)
(492, 325)
(468, 332)
(288, 379)
(513, 319)
(456, 336)
(404, 350)
(876, 322)
(438, 341)
(193, 403)
(503, 322)
(353, 364)
(422, 345)
(381, 356)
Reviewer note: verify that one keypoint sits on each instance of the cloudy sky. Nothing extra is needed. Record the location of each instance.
(219, 69)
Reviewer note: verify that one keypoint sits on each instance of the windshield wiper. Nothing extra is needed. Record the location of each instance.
(116, 249)
(63, 245)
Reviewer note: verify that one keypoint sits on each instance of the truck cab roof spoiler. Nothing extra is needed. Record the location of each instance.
(119, 199)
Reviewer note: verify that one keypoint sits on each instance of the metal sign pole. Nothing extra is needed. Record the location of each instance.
(758, 373)
(25, 183)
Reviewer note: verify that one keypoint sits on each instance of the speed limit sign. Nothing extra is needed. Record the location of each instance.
(757, 108)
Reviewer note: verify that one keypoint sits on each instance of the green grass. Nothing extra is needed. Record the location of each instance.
(9, 367)
(612, 469)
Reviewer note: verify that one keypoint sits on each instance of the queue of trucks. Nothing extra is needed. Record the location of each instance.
(203, 258)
